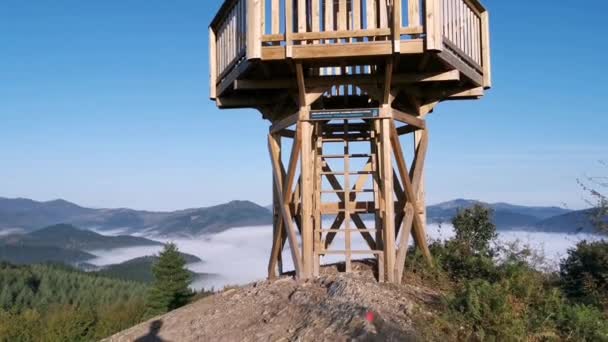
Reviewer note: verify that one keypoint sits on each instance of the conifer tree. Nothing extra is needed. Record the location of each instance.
(170, 289)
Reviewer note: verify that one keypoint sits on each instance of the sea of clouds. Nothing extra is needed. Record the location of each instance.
(240, 255)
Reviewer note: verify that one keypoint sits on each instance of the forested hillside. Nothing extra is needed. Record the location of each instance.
(56, 303)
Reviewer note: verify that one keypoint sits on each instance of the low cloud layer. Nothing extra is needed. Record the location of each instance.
(240, 255)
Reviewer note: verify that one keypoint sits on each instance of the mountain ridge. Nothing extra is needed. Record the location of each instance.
(29, 215)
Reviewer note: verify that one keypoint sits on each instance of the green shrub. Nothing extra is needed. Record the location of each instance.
(487, 309)
(584, 323)
(584, 273)
(474, 229)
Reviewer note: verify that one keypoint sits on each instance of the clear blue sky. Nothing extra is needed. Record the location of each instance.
(105, 103)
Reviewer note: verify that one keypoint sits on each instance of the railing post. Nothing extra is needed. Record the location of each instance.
(254, 29)
(212, 64)
(397, 26)
(485, 46)
(433, 25)
(288, 28)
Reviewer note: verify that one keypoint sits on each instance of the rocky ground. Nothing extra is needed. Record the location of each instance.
(334, 307)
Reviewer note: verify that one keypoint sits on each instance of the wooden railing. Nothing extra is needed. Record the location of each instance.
(242, 28)
(230, 35)
(464, 28)
(316, 22)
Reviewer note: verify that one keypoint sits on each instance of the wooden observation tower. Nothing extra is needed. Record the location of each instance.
(358, 76)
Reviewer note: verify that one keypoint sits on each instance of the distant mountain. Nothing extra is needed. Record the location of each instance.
(214, 219)
(140, 269)
(28, 215)
(67, 236)
(507, 216)
(23, 254)
(576, 221)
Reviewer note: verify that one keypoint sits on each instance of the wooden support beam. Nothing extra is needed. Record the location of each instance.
(326, 81)
(388, 223)
(359, 184)
(433, 25)
(404, 239)
(307, 191)
(419, 230)
(285, 122)
(301, 84)
(407, 129)
(282, 193)
(408, 119)
(277, 241)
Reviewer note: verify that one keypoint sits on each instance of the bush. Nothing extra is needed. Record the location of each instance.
(584, 323)
(584, 273)
(474, 229)
(487, 309)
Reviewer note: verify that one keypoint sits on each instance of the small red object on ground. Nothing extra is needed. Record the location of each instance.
(369, 316)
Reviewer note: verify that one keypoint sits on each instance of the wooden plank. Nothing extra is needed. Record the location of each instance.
(418, 228)
(359, 184)
(301, 86)
(276, 16)
(288, 29)
(388, 79)
(370, 11)
(285, 212)
(359, 79)
(301, 15)
(397, 23)
(212, 65)
(413, 11)
(421, 142)
(316, 17)
(408, 118)
(329, 16)
(485, 48)
(342, 13)
(306, 189)
(342, 34)
(338, 50)
(254, 29)
(451, 59)
(383, 15)
(387, 192)
(287, 121)
(277, 241)
(433, 24)
(404, 239)
(356, 15)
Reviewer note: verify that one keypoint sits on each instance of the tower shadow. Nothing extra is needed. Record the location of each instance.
(152, 335)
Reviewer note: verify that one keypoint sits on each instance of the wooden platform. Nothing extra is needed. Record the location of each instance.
(439, 50)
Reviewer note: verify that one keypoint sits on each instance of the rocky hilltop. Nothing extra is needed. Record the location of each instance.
(334, 307)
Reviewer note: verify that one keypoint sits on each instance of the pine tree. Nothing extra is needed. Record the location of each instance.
(170, 289)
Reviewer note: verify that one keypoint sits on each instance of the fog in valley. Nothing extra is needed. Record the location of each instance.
(240, 255)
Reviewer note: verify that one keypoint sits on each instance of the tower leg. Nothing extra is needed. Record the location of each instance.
(387, 192)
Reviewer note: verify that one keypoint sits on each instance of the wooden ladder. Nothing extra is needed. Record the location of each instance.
(348, 218)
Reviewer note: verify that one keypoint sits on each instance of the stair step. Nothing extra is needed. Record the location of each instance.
(351, 252)
(344, 191)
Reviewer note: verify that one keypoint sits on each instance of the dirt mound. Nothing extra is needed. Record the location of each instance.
(334, 307)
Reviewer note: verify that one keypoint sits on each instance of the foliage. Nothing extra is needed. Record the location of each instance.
(140, 269)
(497, 294)
(597, 188)
(469, 255)
(474, 229)
(57, 303)
(170, 289)
(584, 273)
